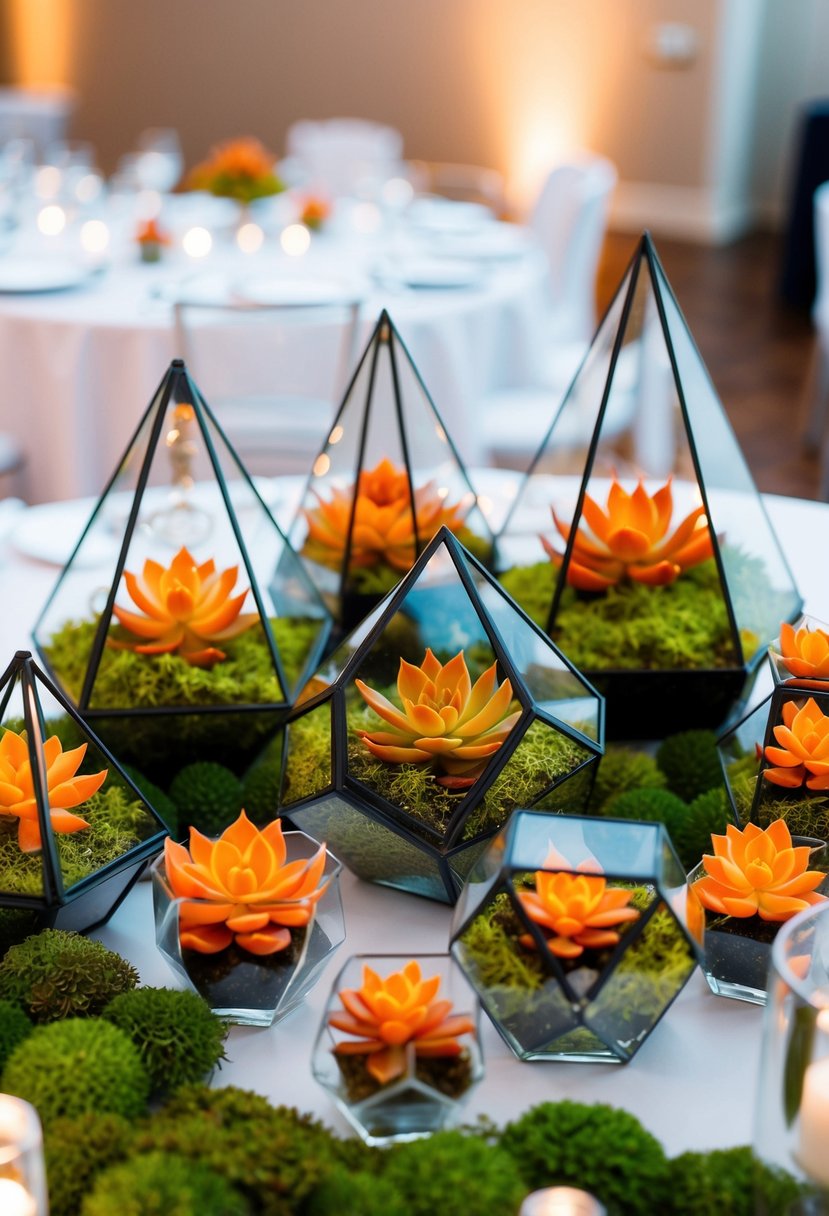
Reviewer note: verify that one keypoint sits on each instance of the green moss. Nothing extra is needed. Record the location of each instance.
(14, 1026)
(206, 796)
(155, 796)
(708, 815)
(75, 1066)
(489, 943)
(77, 1149)
(162, 1184)
(454, 1175)
(342, 1191)
(653, 806)
(684, 625)
(728, 1182)
(308, 762)
(619, 771)
(260, 792)
(598, 1148)
(16, 924)
(650, 974)
(805, 813)
(691, 763)
(56, 974)
(179, 1038)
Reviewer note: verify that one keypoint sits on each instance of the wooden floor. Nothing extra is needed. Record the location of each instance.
(756, 351)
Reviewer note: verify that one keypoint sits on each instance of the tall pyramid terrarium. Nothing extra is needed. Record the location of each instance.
(183, 624)
(75, 831)
(445, 710)
(638, 539)
(386, 480)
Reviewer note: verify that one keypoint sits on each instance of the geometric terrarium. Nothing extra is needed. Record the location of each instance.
(182, 625)
(638, 539)
(386, 480)
(577, 934)
(443, 712)
(75, 832)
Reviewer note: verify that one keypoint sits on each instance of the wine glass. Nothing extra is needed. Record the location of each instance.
(159, 160)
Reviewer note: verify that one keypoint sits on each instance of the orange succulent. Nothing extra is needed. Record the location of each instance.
(577, 911)
(803, 754)
(186, 607)
(805, 652)
(314, 213)
(757, 871)
(384, 528)
(387, 1014)
(630, 540)
(239, 888)
(445, 719)
(239, 168)
(64, 787)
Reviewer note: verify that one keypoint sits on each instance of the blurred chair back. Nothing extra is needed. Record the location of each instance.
(339, 155)
(570, 218)
(461, 183)
(272, 374)
(815, 400)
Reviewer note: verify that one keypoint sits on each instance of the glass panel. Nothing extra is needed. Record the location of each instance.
(308, 757)
(622, 850)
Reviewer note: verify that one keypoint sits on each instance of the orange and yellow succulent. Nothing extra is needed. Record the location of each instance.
(386, 1015)
(185, 608)
(803, 754)
(240, 888)
(758, 872)
(805, 652)
(630, 538)
(576, 911)
(384, 528)
(239, 168)
(445, 719)
(65, 788)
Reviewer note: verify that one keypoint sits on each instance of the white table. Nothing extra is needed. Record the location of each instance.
(80, 366)
(704, 1047)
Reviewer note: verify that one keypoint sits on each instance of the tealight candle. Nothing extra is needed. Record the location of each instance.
(15, 1200)
(561, 1201)
(811, 1154)
(295, 240)
(197, 242)
(22, 1174)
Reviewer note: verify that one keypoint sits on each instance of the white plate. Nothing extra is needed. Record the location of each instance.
(50, 531)
(44, 274)
(436, 273)
(301, 292)
(209, 289)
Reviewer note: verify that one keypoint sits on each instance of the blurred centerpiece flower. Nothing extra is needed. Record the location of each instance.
(151, 240)
(315, 212)
(66, 788)
(242, 169)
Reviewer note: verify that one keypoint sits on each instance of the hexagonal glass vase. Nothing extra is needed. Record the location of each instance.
(592, 995)
(183, 624)
(387, 478)
(253, 989)
(75, 831)
(638, 539)
(430, 1090)
(444, 711)
(738, 948)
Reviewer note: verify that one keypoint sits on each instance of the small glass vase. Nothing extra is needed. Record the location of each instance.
(431, 1091)
(246, 988)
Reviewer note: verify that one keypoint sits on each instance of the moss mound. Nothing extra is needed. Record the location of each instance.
(621, 770)
(727, 1181)
(14, 1027)
(76, 1066)
(162, 1184)
(655, 806)
(260, 794)
(454, 1174)
(206, 796)
(709, 814)
(691, 763)
(76, 1150)
(365, 1193)
(179, 1038)
(56, 974)
(555, 1144)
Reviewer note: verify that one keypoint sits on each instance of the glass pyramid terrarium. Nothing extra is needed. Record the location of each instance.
(183, 624)
(638, 540)
(445, 710)
(386, 480)
(577, 935)
(74, 829)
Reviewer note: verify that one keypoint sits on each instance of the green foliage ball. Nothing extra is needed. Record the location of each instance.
(75, 1066)
(454, 1174)
(691, 763)
(620, 770)
(14, 1026)
(343, 1192)
(654, 806)
(178, 1036)
(708, 815)
(601, 1149)
(261, 793)
(727, 1181)
(77, 1149)
(207, 796)
(56, 974)
(162, 1184)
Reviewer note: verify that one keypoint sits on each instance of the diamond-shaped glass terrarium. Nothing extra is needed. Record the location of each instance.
(398, 1045)
(638, 540)
(183, 624)
(444, 711)
(386, 480)
(577, 934)
(75, 831)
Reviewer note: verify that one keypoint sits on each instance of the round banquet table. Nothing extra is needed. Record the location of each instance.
(80, 365)
(705, 1047)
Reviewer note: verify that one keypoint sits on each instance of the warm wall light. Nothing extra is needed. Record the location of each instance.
(40, 40)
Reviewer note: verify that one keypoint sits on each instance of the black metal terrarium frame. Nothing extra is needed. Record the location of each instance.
(698, 697)
(443, 847)
(92, 900)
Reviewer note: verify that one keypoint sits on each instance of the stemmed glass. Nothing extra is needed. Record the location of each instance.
(159, 159)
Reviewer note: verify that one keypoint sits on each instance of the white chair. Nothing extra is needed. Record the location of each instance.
(815, 401)
(272, 374)
(341, 156)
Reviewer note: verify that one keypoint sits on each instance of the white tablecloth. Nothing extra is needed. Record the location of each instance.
(703, 1048)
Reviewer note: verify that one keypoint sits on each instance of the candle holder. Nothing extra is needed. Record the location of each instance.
(22, 1172)
(792, 1122)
